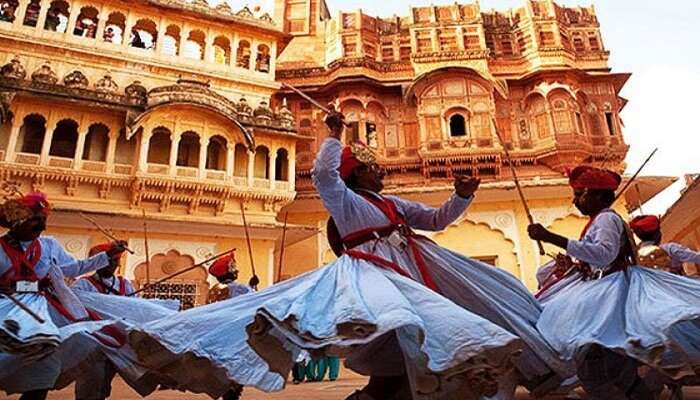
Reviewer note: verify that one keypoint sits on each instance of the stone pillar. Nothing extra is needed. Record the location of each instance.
(12, 143)
(273, 58)
(174, 146)
(291, 168)
(143, 151)
(234, 50)
(460, 38)
(128, 27)
(208, 48)
(112, 152)
(46, 146)
(203, 145)
(19, 13)
(45, 4)
(230, 159)
(253, 55)
(251, 167)
(271, 173)
(162, 29)
(184, 34)
(101, 25)
(79, 150)
(72, 18)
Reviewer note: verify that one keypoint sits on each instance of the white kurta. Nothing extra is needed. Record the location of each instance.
(113, 284)
(55, 264)
(382, 322)
(641, 312)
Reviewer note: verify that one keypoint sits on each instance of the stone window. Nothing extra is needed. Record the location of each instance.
(96, 143)
(57, 16)
(243, 54)
(472, 41)
(194, 45)
(222, 50)
(159, 146)
(507, 47)
(114, 28)
(610, 121)
(282, 165)
(86, 24)
(262, 62)
(144, 34)
(216, 153)
(8, 9)
(448, 39)
(563, 116)
(240, 167)
(64, 140)
(171, 41)
(593, 42)
(546, 39)
(424, 42)
(188, 150)
(31, 16)
(31, 134)
(262, 163)
(579, 45)
(458, 125)
(388, 52)
(538, 117)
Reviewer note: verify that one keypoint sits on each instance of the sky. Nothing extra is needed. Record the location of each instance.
(659, 43)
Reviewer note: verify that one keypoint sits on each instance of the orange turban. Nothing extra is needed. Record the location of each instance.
(102, 247)
(587, 177)
(355, 156)
(223, 265)
(645, 224)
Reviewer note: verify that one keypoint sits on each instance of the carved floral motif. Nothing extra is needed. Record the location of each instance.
(76, 79)
(45, 75)
(13, 69)
(106, 84)
(136, 92)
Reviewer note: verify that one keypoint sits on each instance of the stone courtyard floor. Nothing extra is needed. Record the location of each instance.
(327, 390)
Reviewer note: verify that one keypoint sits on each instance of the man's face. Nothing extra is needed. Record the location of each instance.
(108, 271)
(370, 177)
(31, 228)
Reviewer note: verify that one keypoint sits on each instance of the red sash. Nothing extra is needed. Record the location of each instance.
(22, 262)
(388, 208)
(102, 288)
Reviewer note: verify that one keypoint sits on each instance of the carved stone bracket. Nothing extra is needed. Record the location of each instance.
(6, 98)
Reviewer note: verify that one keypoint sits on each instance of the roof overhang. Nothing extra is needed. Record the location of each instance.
(682, 214)
(645, 188)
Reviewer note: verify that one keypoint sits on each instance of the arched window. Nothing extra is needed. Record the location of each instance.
(563, 115)
(240, 167)
(8, 9)
(96, 143)
(144, 34)
(86, 24)
(282, 165)
(159, 146)
(222, 50)
(64, 139)
(31, 16)
(31, 134)
(114, 28)
(243, 54)
(194, 46)
(171, 41)
(216, 153)
(538, 116)
(188, 150)
(262, 163)
(262, 62)
(458, 125)
(57, 16)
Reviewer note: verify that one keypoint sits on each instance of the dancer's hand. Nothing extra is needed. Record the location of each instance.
(466, 186)
(254, 281)
(538, 232)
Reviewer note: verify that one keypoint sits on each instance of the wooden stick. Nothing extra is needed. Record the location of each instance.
(145, 246)
(284, 237)
(311, 100)
(182, 271)
(247, 238)
(517, 184)
(636, 174)
(24, 307)
(102, 230)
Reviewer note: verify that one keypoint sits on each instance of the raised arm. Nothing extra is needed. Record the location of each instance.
(325, 175)
(682, 253)
(423, 217)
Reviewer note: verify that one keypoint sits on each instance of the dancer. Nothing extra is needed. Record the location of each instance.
(225, 271)
(382, 314)
(603, 319)
(32, 269)
(667, 256)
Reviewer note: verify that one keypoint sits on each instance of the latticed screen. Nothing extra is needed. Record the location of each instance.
(185, 292)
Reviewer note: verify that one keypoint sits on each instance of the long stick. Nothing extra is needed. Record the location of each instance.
(517, 184)
(145, 246)
(182, 271)
(247, 239)
(282, 244)
(24, 307)
(103, 230)
(636, 174)
(310, 100)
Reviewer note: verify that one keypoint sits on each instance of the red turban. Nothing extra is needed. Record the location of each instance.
(223, 265)
(17, 210)
(586, 177)
(354, 156)
(645, 224)
(37, 202)
(103, 247)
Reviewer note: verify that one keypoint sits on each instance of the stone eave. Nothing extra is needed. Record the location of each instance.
(679, 214)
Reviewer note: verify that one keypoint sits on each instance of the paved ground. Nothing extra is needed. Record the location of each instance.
(337, 390)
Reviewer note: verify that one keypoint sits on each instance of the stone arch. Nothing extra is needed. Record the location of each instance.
(171, 40)
(222, 50)
(57, 16)
(261, 167)
(194, 45)
(64, 139)
(243, 54)
(159, 146)
(86, 24)
(537, 114)
(144, 34)
(31, 134)
(425, 84)
(353, 109)
(262, 61)
(96, 143)
(240, 167)
(282, 165)
(114, 28)
(457, 121)
(31, 15)
(216, 153)
(8, 8)
(499, 246)
(188, 150)
(565, 111)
